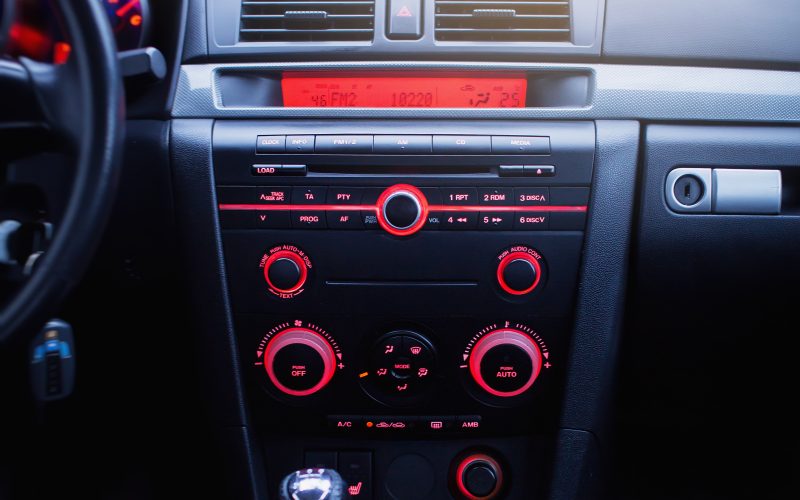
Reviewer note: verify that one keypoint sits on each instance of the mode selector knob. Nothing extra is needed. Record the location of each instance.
(402, 210)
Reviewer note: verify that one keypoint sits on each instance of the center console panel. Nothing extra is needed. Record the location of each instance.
(404, 280)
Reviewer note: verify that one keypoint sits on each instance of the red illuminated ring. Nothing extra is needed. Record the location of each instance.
(286, 254)
(505, 336)
(508, 259)
(305, 337)
(419, 198)
(477, 459)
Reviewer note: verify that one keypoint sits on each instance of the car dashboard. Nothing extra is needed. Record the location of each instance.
(475, 249)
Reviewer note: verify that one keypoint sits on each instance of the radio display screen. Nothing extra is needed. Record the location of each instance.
(325, 90)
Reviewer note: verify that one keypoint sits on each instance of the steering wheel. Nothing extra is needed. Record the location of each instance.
(77, 107)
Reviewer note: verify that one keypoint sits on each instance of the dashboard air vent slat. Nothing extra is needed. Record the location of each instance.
(503, 21)
(307, 21)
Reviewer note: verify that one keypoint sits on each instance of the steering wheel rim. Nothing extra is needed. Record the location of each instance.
(97, 131)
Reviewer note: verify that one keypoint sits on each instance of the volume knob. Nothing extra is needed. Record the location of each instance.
(402, 210)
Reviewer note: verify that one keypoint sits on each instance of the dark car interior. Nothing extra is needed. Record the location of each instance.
(399, 249)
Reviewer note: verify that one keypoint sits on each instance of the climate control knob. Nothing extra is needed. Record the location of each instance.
(505, 362)
(402, 210)
(299, 361)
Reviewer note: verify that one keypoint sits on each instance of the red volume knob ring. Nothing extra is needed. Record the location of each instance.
(414, 194)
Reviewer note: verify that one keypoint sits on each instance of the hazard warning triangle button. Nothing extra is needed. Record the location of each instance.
(405, 19)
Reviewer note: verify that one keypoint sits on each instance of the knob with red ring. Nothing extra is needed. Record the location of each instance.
(299, 361)
(505, 362)
(402, 210)
(285, 270)
(519, 271)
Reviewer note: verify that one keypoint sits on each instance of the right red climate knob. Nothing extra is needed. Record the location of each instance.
(519, 271)
(505, 362)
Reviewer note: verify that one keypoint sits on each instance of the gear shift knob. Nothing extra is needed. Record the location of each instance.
(312, 484)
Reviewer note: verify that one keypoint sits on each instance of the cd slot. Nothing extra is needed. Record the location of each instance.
(372, 169)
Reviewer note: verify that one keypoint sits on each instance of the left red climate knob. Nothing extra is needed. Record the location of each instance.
(299, 361)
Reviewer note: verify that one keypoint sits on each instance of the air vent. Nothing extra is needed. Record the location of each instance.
(502, 21)
(307, 21)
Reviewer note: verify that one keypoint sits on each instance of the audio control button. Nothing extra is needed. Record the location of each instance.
(527, 221)
(309, 219)
(403, 144)
(462, 144)
(343, 144)
(531, 197)
(497, 221)
(460, 220)
(300, 144)
(344, 195)
(496, 196)
(309, 195)
(344, 219)
(459, 196)
(516, 145)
